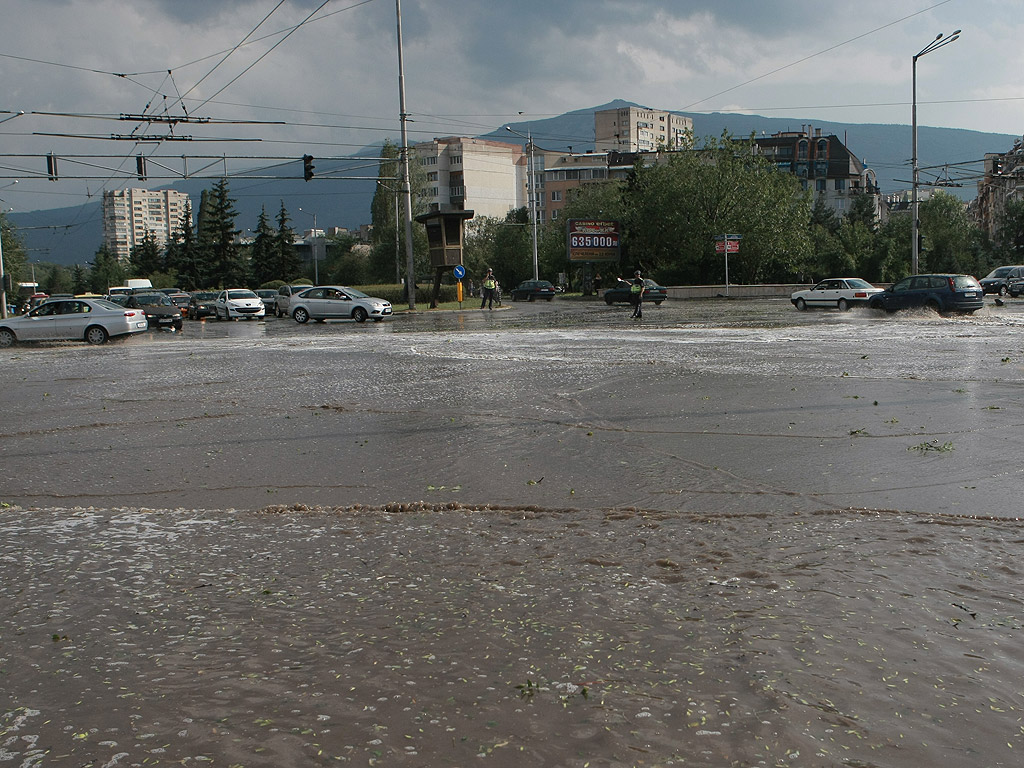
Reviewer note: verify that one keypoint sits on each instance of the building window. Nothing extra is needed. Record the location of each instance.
(556, 195)
(840, 185)
(456, 160)
(432, 176)
(819, 185)
(554, 213)
(428, 160)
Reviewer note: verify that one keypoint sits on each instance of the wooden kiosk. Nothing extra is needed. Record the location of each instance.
(444, 240)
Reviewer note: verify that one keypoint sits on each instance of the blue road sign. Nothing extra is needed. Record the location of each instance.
(459, 271)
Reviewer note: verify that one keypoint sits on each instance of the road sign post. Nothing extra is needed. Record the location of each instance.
(726, 244)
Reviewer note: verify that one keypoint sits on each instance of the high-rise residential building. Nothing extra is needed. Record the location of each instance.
(639, 129)
(128, 214)
(481, 175)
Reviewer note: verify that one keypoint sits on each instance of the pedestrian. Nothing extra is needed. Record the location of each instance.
(597, 282)
(636, 295)
(489, 285)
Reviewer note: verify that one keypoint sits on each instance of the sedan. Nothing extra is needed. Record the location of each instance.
(621, 292)
(160, 310)
(839, 292)
(337, 301)
(239, 302)
(531, 290)
(941, 293)
(181, 301)
(202, 304)
(269, 298)
(91, 320)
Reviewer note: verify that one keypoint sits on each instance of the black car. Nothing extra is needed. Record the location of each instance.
(531, 290)
(941, 293)
(1002, 279)
(269, 298)
(620, 292)
(202, 304)
(160, 311)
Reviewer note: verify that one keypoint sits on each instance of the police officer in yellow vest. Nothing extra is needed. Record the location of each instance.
(636, 295)
(489, 285)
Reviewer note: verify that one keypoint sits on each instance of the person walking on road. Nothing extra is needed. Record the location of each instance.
(489, 285)
(636, 295)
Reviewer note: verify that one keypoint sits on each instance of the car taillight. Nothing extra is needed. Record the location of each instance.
(859, 294)
(952, 285)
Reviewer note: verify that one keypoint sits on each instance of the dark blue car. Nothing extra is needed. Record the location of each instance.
(941, 293)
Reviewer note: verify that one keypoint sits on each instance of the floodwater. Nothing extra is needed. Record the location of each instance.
(731, 534)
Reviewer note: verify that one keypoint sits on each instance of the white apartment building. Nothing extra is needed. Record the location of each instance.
(481, 175)
(128, 214)
(638, 129)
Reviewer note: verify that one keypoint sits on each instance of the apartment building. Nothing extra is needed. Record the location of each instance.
(1003, 181)
(128, 214)
(823, 164)
(482, 175)
(639, 129)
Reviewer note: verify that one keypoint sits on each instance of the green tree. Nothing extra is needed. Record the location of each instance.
(386, 219)
(512, 255)
(949, 238)
(56, 280)
(287, 264)
(863, 211)
(146, 257)
(263, 254)
(15, 261)
(79, 279)
(1009, 241)
(346, 261)
(218, 239)
(106, 271)
(182, 256)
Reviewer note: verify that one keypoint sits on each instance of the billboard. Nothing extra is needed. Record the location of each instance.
(592, 240)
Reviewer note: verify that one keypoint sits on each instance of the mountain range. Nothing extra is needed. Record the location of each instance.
(72, 235)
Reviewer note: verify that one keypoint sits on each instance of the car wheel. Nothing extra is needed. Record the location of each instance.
(609, 300)
(552, 297)
(359, 315)
(843, 305)
(932, 305)
(300, 315)
(532, 297)
(1002, 290)
(96, 334)
(801, 304)
(657, 303)
(7, 338)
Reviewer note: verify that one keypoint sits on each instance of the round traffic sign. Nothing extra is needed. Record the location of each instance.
(459, 271)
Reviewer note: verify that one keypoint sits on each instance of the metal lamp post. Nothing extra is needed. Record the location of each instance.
(915, 224)
(531, 186)
(314, 238)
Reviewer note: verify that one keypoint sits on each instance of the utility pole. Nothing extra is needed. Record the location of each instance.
(410, 267)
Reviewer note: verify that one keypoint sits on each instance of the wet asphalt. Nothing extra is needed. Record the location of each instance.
(714, 406)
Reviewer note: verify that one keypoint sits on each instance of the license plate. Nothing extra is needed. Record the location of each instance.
(971, 295)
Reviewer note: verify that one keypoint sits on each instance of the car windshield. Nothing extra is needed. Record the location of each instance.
(242, 295)
(856, 282)
(153, 300)
(999, 272)
(206, 296)
(965, 283)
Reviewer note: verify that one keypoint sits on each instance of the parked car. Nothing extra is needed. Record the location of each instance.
(619, 293)
(531, 290)
(942, 293)
(269, 298)
(338, 302)
(181, 301)
(839, 292)
(283, 302)
(160, 310)
(202, 304)
(238, 302)
(1000, 279)
(117, 298)
(91, 320)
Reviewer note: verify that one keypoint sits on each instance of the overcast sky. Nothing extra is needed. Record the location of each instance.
(473, 65)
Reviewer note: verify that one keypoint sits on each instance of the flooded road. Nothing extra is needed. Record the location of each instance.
(711, 406)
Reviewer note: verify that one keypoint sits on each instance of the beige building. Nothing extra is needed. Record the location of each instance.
(128, 214)
(638, 129)
(481, 175)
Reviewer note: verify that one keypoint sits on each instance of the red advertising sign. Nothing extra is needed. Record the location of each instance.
(592, 240)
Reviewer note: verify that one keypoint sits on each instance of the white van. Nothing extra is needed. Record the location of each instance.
(137, 283)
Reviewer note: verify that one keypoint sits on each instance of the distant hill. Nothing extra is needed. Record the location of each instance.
(72, 235)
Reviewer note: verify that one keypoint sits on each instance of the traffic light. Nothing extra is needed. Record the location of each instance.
(140, 167)
(307, 167)
(51, 166)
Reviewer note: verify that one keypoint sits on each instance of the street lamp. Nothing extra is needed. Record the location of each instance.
(314, 238)
(915, 225)
(531, 184)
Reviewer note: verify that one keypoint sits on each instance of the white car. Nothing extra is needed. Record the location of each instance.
(338, 302)
(91, 320)
(238, 302)
(839, 292)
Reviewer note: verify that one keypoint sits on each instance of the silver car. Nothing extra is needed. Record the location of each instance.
(91, 320)
(327, 302)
